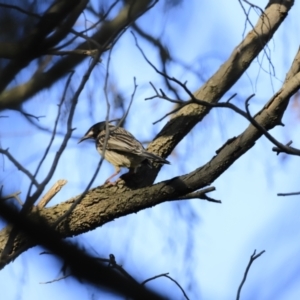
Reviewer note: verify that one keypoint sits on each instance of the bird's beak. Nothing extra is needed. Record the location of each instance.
(84, 138)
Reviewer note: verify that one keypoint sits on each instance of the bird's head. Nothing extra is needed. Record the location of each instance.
(93, 132)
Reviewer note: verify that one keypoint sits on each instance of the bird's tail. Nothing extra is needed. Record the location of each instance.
(155, 158)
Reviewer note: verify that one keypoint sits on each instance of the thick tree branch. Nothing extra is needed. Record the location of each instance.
(104, 36)
(81, 264)
(212, 91)
(61, 15)
(105, 203)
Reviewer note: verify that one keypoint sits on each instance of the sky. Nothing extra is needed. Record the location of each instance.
(204, 246)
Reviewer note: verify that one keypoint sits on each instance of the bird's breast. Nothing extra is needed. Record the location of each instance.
(120, 159)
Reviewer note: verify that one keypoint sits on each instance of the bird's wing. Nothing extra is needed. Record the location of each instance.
(120, 140)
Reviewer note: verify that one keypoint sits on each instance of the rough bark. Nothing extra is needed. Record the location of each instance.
(105, 203)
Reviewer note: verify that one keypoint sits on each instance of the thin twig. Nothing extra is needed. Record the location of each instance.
(56, 279)
(30, 200)
(15, 7)
(265, 18)
(289, 194)
(19, 166)
(13, 195)
(253, 257)
(193, 99)
(163, 53)
(78, 34)
(120, 121)
(154, 277)
(200, 195)
(279, 150)
(176, 282)
(78, 200)
(162, 73)
(166, 275)
(31, 116)
(87, 52)
(40, 190)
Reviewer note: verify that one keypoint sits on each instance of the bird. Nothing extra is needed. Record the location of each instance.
(122, 149)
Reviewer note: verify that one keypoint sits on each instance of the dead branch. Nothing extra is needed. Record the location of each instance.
(51, 193)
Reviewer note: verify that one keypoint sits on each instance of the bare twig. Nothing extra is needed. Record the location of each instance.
(279, 150)
(31, 116)
(78, 34)
(13, 195)
(163, 53)
(166, 275)
(154, 277)
(200, 195)
(99, 48)
(19, 166)
(168, 114)
(56, 279)
(130, 103)
(264, 17)
(159, 72)
(227, 104)
(176, 282)
(253, 257)
(40, 190)
(69, 128)
(193, 99)
(51, 193)
(23, 11)
(30, 200)
(78, 200)
(289, 194)
(91, 52)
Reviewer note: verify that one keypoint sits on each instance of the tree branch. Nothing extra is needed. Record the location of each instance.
(105, 203)
(212, 91)
(81, 264)
(104, 36)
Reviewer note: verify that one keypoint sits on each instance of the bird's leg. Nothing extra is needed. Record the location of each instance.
(117, 169)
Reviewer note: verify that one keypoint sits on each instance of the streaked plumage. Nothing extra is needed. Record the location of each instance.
(122, 148)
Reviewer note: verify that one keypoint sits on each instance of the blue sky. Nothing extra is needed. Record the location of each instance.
(204, 246)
